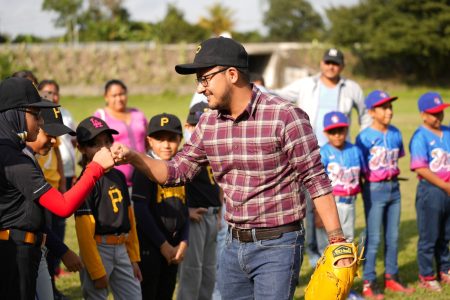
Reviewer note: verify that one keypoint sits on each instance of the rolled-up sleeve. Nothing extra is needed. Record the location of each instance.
(300, 145)
(186, 164)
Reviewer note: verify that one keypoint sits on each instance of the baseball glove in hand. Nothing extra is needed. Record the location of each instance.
(329, 282)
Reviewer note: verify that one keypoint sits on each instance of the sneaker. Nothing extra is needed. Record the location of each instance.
(393, 283)
(445, 277)
(430, 283)
(371, 291)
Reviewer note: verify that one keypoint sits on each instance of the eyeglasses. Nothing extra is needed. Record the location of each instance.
(204, 80)
(36, 114)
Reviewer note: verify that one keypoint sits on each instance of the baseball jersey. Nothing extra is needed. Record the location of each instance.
(21, 185)
(203, 190)
(344, 168)
(381, 151)
(431, 151)
(161, 212)
(106, 211)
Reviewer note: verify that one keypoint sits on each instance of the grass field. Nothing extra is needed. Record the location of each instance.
(406, 118)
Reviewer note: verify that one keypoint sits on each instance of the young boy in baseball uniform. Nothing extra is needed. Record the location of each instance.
(382, 146)
(161, 214)
(344, 165)
(105, 225)
(430, 159)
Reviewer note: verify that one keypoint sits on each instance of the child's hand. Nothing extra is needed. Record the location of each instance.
(101, 283)
(120, 153)
(72, 261)
(196, 214)
(136, 271)
(104, 158)
(168, 251)
(181, 249)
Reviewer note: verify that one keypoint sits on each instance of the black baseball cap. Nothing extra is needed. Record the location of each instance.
(334, 55)
(218, 51)
(53, 122)
(196, 111)
(90, 127)
(16, 92)
(164, 122)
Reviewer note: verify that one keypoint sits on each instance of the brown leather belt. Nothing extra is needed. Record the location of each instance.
(259, 234)
(22, 236)
(111, 239)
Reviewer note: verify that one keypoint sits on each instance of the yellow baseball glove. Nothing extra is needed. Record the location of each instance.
(329, 282)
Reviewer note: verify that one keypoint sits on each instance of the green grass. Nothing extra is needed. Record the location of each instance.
(406, 118)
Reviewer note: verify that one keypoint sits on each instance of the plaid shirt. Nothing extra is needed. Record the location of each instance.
(263, 160)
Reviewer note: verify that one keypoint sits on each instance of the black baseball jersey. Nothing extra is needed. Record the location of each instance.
(203, 190)
(21, 184)
(166, 206)
(108, 202)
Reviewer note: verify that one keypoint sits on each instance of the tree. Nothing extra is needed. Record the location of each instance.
(174, 28)
(295, 21)
(220, 19)
(68, 11)
(399, 37)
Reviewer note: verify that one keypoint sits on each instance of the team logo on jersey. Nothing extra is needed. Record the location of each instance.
(96, 123)
(116, 197)
(383, 158)
(440, 160)
(432, 142)
(348, 178)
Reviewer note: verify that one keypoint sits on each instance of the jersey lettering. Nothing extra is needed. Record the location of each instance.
(383, 158)
(169, 192)
(346, 177)
(440, 160)
(116, 196)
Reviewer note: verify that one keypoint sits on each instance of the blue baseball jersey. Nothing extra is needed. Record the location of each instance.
(344, 168)
(431, 151)
(381, 151)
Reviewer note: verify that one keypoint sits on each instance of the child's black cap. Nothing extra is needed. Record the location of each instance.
(164, 122)
(195, 112)
(53, 122)
(90, 127)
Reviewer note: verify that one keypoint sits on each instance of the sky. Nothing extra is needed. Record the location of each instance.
(26, 17)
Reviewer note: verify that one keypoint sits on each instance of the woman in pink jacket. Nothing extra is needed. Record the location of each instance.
(131, 123)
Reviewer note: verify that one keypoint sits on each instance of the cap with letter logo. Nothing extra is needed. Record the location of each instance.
(164, 122)
(53, 122)
(90, 127)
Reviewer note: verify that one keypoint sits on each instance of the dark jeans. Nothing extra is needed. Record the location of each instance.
(433, 222)
(159, 277)
(19, 263)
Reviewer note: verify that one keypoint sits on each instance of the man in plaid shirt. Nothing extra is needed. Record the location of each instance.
(264, 155)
